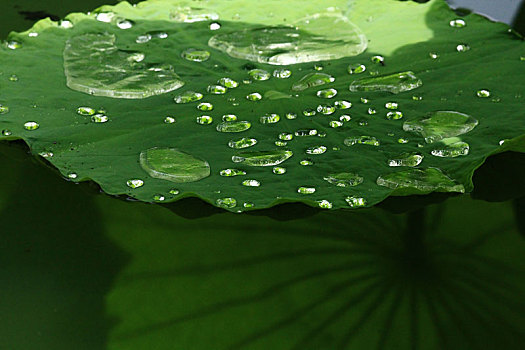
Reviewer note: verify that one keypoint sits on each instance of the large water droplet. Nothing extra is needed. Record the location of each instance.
(236, 126)
(316, 150)
(406, 159)
(319, 37)
(226, 203)
(306, 190)
(326, 109)
(125, 24)
(232, 172)
(394, 83)
(135, 183)
(450, 148)
(215, 26)
(311, 80)
(196, 55)
(188, 96)
(245, 142)
(362, 140)
(356, 202)
(440, 125)
(31, 126)
(327, 93)
(217, 89)
(259, 74)
(342, 104)
(94, 65)
(251, 183)
(282, 73)
(262, 158)
(345, 118)
(173, 165)
(254, 96)
(356, 68)
(344, 179)
(7, 132)
(229, 118)
(204, 120)
(394, 115)
(228, 82)
(205, 106)
(269, 118)
(424, 180)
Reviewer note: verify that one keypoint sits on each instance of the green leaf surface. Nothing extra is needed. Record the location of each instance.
(474, 70)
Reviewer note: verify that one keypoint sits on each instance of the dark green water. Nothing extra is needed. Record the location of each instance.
(81, 270)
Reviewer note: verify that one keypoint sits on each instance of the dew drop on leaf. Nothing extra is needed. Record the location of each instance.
(234, 126)
(262, 158)
(393, 83)
(362, 140)
(406, 159)
(196, 55)
(244, 142)
(232, 172)
(344, 179)
(188, 96)
(312, 80)
(306, 190)
(204, 120)
(31, 126)
(424, 180)
(441, 124)
(135, 183)
(251, 183)
(173, 165)
(226, 203)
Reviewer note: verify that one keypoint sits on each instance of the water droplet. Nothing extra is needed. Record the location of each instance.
(192, 14)
(31, 126)
(336, 124)
(280, 143)
(13, 45)
(196, 55)
(309, 112)
(311, 80)
(306, 190)
(393, 83)
(174, 191)
(325, 36)
(228, 82)
(402, 140)
(278, 170)
(344, 179)
(285, 136)
(72, 176)
(205, 106)
(204, 120)
(391, 105)
(483, 93)
(169, 120)
(86, 111)
(326, 109)
(124, 24)
(236, 126)
(362, 140)
(458, 23)
(215, 26)
(269, 118)
(6, 132)
(451, 147)
(306, 162)
(282, 73)
(356, 202)
(378, 59)
(364, 100)
(106, 17)
(251, 183)
(188, 96)
(362, 122)
(94, 65)
(262, 158)
(232, 172)
(321, 134)
(316, 150)
(99, 118)
(318, 67)
(142, 39)
(229, 118)
(371, 111)
(248, 205)
(259, 74)
(254, 96)
(245, 142)
(217, 89)
(342, 104)
(135, 183)
(173, 165)
(327, 93)
(442, 124)
(433, 55)
(345, 118)
(226, 203)
(13, 78)
(406, 159)
(46, 154)
(324, 204)
(425, 180)
(4, 109)
(462, 48)
(291, 116)
(158, 198)
(394, 115)
(417, 98)
(66, 24)
(356, 68)
(306, 132)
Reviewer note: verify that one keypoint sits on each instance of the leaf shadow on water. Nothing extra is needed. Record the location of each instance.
(56, 265)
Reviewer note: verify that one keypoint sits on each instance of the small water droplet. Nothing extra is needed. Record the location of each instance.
(282, 73)
(324, 204)
(251, 183)
(371, 111)
(441, 124)
(417, 98)
(318, 67)
(362, 122)
(291, 116)
(4, 109)
(142, 39)
(280, 143)
(458, 23)
(215, 26)
(433, 55)
(217, 89)
(169, 120)
(345, 118)
(244, 142)
(402, 140)
(196, 55)
(235, 126)
(425, 180)
(356, 202)
(259, 74)
(394, 115)
(99, 118)
(125, 24)
(105, 17)
(362, 140)
(86, 111)
(204, 120)
(13, 78)
(344, 179)
(378, 59)
(135, 183)
(6, 132)
(306, 190)
(14, 45)
(326, 109)
(285, 136)
(451, 148)
(188, 96)
(262, 158)
(205, 106)
(311, 80)
(364, 100)
(278, 170)
(462, 48)
(327, 93)
(306, 162)
(228, 82)
(31, 126)
(32, 34)
(72, 176)
(336, 124)
(158, 198)
(356, 68)
(316, 150)
(393, 83)
(173, 165)
(229, 118)
(226, 203)
(232, 172)
(174, 191)
(46, 154)
(254, 96)
(483, 93)
(306, 132)
(342, 104)
(269, 118)
(248, 205)
(391, 105)
(406, 159)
